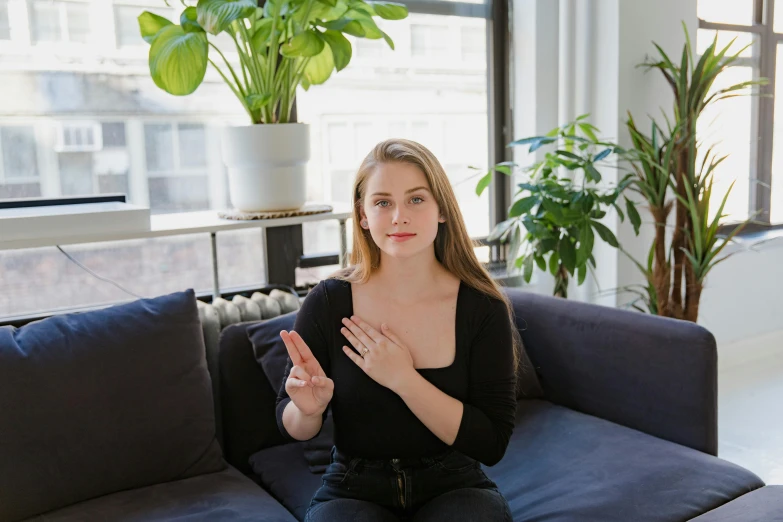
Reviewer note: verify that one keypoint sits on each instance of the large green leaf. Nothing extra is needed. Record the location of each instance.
(262, 34)
(188, 21)
(340, 46)
(581, 274)
(568, 254)
(522, 206)
(325, 13)
(389, 10)
(586, 242)
(606, 234)
(528, 268)
(483, 183)
(216, 15)
(633, 215)
(305, 44)
(319, 68)
(554, 262)
(150, 24)
(178, 60)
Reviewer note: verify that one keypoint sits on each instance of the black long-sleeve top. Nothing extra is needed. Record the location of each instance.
(373, 422)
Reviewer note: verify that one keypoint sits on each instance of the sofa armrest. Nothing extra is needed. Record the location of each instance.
(653, 374)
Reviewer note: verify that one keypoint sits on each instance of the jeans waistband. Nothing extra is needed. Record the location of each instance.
(399, 462)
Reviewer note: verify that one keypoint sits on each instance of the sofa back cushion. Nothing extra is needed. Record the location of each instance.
(103, 401)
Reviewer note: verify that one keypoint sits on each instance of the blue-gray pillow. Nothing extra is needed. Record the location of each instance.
(270, 352)
(103, 401)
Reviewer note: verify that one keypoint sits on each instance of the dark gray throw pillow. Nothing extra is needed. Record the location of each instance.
(103, 401)
(270, 352)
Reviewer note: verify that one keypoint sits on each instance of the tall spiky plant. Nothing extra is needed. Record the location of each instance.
(669, 160)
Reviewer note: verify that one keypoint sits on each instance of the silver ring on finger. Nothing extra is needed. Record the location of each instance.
(365, 351)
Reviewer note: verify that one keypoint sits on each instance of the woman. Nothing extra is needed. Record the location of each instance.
(413, 347)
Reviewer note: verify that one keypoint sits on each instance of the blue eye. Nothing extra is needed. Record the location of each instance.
(378, 204)
(417, 197)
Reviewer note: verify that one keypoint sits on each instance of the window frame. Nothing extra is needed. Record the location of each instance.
(763, 65)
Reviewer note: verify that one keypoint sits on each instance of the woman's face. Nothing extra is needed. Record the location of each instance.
(400, 211)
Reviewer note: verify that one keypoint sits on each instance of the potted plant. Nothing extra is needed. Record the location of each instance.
(284, 44)
(560, 214)
(671, 160)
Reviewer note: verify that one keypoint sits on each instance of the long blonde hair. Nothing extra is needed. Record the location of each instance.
(453, 246)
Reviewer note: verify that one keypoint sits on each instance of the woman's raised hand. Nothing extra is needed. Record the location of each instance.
(307, 384)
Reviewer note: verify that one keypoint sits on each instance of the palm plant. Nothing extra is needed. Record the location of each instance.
(670, 159)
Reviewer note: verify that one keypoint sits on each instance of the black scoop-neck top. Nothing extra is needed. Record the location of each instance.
(371, 421)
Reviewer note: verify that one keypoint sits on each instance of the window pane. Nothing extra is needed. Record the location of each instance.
(430, 40)
(726, 125)
(113, 134)
(776, 210)
(706, 37)
(179, 194)
(159, 147)
(76, 173)
(46, 22)
(474, 44)
(192, 145)
(20, 190)
(5, 27)
(42, 279)
(440, 103)
(78, 15)
(19, 159)
(778, 25)
(738, 12)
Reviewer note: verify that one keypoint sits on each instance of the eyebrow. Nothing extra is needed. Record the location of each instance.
(407, 191)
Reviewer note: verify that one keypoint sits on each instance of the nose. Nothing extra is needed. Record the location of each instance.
(400, 217)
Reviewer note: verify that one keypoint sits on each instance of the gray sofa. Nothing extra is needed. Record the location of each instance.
(151, 411)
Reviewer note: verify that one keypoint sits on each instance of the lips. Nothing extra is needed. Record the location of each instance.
(400, 237)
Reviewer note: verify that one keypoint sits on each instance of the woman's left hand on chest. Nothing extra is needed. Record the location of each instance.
(385, 358)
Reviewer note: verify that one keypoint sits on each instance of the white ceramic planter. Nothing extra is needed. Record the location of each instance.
(266, 165)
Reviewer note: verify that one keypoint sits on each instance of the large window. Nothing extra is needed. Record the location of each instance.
(97, 124)
(432, 89)
(747, 129)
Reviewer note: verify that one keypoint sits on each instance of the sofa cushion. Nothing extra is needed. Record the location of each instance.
(283, 471)
(102, 401)
(562, 465)
(760, 505)
(227, 496)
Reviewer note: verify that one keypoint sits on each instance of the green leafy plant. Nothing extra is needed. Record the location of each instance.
(284, 44)
(554, 218)
(672, 160)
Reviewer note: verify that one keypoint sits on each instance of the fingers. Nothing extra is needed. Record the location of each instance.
(352, 339)
(365, 329)
(301, 345)
(323, 382)
(392, 337)
(354, 357)
(300, 377)
(290, 346)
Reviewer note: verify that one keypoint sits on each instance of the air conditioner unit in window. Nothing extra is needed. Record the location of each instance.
(79, 136)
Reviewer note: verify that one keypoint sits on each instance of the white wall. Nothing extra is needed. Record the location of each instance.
(593, 69)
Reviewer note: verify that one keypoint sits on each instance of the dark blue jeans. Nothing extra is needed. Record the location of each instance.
(448, 487)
